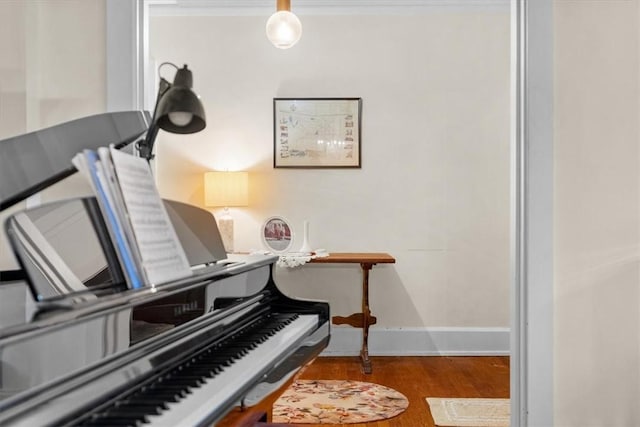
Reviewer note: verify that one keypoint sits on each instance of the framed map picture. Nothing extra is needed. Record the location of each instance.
(316, 132)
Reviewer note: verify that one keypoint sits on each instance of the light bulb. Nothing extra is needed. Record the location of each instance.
(180, 118)
(284, 29)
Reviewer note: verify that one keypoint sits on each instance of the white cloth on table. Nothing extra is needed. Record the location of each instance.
(296, 259)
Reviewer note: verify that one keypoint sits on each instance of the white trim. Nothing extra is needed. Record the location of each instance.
(537, 312)
(148, 83)
(316, 7)
(518, 360)
(346, 341)
(124, 66)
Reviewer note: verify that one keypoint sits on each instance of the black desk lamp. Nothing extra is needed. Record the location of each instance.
(177, 110)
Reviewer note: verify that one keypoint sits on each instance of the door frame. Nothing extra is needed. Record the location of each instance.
(531, 260)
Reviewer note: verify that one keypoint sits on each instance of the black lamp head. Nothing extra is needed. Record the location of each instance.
(179, 109)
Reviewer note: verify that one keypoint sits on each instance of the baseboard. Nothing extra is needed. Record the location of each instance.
(346, 341)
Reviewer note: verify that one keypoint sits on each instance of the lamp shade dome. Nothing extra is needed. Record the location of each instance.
(284, 29)
(180, 111)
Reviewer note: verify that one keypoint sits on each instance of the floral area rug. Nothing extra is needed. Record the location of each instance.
(337, 402)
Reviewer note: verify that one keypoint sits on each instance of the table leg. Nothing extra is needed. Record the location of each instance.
(366, 319)
(362, 320)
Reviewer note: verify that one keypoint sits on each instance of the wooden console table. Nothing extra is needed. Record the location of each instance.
(365, 319)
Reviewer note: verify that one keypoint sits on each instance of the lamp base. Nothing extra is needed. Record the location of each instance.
(225, 225)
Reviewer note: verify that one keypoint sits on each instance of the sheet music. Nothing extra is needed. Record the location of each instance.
(88, 164)
(163, 258)
(107, 173)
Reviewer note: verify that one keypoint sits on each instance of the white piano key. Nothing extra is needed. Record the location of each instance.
(216, 391)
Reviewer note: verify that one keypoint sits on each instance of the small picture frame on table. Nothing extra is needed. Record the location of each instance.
(277, 234)
(317, 132)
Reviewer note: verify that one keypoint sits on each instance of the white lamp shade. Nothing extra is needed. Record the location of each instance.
(284, 29)
(224, 189)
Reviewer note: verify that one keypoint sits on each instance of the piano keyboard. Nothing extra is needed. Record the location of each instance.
(189, 393)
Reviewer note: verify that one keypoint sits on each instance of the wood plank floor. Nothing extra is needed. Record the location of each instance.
(415, 377)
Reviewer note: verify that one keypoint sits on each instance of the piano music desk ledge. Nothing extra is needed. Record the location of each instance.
(364, 319)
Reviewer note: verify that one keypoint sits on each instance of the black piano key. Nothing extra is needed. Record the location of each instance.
(160, 401)
(188, 378)
(220, 361)
(247, 344)
(108, 423)
(238, 351)
(205, 371)
(166, 391)
(117, 422)
(186, 383)
(142, 406)
(161, 385)
(174, 377)
(138, 412)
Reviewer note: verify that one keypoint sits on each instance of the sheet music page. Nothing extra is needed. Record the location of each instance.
(163, 257)
(107, 171)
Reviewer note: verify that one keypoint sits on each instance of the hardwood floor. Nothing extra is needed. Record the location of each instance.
(415, 377)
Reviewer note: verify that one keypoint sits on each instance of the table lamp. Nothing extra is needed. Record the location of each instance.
(226, 189)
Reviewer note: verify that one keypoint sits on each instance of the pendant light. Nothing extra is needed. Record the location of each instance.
(283, 27)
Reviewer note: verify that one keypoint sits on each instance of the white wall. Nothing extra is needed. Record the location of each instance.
(434, 185)
(596, 215)
(52, 70)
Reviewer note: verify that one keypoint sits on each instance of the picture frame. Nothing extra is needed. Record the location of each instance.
(277, 234)
(317, 132)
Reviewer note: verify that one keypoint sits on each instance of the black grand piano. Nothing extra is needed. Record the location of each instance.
(82, 349)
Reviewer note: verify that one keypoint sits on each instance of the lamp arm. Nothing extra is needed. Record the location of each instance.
(145, 147)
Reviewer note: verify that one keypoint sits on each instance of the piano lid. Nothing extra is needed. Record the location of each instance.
(32, 162)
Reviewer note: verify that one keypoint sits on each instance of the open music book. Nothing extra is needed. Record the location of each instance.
(139, 226)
